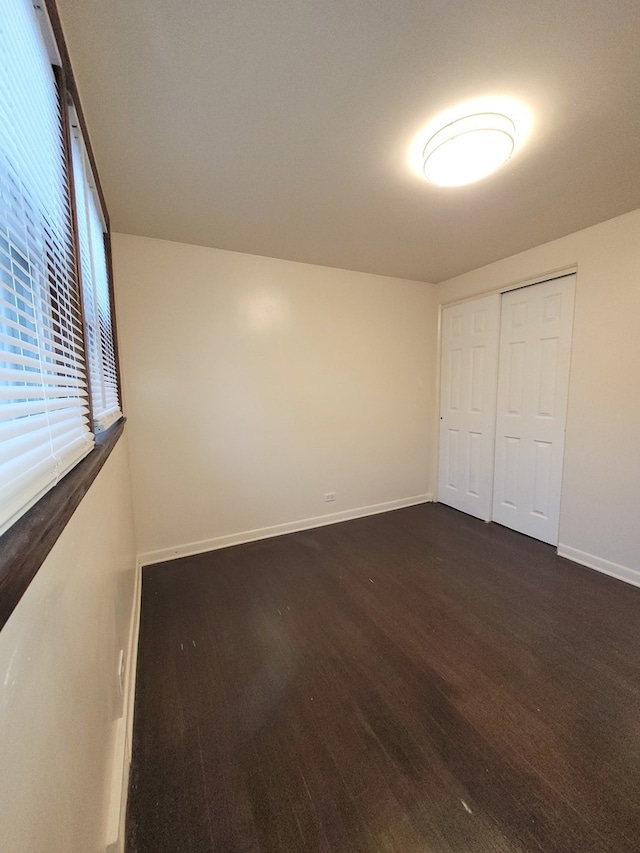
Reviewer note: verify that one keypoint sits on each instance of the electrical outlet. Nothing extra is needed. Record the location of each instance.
(329, 496)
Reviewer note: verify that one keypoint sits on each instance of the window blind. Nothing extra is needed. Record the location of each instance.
(99, 339)
(43, 388)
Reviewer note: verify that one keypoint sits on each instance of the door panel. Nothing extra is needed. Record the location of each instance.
(535, 344)
(469, 370)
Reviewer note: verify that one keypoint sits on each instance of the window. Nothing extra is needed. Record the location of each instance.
(94, 274)
(58, 378)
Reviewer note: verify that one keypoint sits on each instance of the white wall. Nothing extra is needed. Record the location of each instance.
(58, 689)
(600, 510)
(254, 385)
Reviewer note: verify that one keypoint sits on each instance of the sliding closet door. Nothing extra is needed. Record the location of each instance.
(535, 345)
(468, 379)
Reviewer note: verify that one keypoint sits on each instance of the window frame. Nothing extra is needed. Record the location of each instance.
(25, 545)
(70, 131)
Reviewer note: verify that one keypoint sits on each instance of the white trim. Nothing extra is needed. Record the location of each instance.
(114, 835)
(514, 285)
(132, 658)
(123, 734)
(615, 570)
(191, 548)
(435, 453)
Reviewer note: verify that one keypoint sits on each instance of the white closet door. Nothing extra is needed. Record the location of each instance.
(468, 380)
(535, 345)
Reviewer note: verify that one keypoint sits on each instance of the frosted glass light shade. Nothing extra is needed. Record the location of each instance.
(468, 149)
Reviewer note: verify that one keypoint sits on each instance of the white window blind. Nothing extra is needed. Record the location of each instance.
(95, 289)
(43, 390)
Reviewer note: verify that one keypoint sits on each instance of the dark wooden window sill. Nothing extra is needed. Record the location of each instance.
(25, 546)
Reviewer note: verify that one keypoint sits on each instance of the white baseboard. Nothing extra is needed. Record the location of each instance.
(116, 817)
(123, 734)
(214, 544)
(623, 573)
(132, 662)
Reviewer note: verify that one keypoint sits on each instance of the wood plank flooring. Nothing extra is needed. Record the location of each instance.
(413, 682)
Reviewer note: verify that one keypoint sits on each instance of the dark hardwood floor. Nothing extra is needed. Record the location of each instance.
(411, 682)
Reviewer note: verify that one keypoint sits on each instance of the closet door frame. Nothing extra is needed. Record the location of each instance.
(469, 349)
(499, 290)
(533, 386)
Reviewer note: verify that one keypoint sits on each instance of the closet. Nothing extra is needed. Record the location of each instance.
(503, 399)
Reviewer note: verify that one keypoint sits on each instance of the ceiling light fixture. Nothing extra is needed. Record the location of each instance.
(468, 149)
